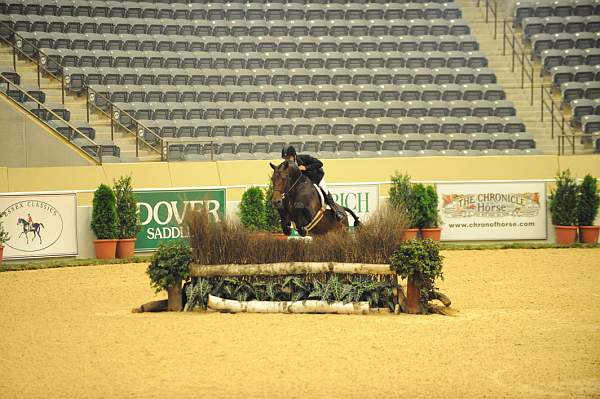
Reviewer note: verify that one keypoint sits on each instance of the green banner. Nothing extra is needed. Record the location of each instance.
(162, 213)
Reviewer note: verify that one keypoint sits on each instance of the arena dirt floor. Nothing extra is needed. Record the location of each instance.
(529, 326)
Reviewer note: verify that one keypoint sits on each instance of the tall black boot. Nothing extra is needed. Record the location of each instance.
(339, 215)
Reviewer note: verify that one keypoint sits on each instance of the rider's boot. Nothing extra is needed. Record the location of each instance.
(339, 215)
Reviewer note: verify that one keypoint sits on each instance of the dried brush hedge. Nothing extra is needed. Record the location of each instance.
(226, 242)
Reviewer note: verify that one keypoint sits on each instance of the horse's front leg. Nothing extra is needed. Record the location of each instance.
(301, 218)
(285, 222)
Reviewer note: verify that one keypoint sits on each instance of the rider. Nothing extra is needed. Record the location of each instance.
(312, 168)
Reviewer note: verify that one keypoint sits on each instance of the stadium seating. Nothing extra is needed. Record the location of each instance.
(239, 80)
(565, 35)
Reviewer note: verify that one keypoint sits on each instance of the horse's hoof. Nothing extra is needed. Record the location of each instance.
(302, 232)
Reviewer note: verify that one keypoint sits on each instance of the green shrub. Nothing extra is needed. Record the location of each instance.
(105, 222)
(129, 223)
(4, 237)
(563, 200)
(169, 264)
(272, 221)
(402, 198)
(588, 201)
(252, 209)
(426, 200)
(421, 261)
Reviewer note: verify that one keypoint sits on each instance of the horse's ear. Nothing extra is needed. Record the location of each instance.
(272, 166)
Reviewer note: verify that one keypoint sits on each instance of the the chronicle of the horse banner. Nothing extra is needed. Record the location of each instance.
(40, 225)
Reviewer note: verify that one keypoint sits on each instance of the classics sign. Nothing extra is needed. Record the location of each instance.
(39, 225)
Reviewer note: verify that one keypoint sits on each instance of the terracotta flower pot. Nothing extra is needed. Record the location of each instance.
(1, 253)
(175, 300)
(413, 296)
(589, 234)
(410, 234)
(566, 235)
(434, 233)
(125, 247)
(105, 249)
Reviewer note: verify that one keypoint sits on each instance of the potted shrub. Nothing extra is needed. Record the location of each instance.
(129, 224)
(105, 223)
(4, 237)
(252, 209)
(168, 268)
(402, 198)
(420, 262)
(588, 201)
(430, 218)
(563, 206)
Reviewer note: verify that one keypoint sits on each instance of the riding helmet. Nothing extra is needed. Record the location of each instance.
(290, 151)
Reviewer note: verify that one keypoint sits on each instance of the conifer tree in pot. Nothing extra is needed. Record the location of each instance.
(168, 268)
(430, 219)
(4, 237)
(402, 198)
(105, 223)
(129, 224)
(563, 207)
(588, 201)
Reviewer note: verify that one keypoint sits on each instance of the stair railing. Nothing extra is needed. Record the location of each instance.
(44, 62)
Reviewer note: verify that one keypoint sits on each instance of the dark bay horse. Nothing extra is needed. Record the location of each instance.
(30, 228)
(298, 201)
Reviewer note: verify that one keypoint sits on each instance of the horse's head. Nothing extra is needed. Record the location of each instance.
(20, 221)
(281, 175)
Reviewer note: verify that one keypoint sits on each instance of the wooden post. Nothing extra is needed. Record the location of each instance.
(174, 297)
(413, 296)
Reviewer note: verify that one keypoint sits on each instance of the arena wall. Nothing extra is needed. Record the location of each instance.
(30, 143)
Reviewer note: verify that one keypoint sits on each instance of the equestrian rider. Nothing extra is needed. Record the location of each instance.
(312, 168)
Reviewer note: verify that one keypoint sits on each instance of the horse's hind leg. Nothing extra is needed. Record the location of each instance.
(39, 235)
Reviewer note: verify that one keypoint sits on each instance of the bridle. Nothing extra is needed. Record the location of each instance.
(286, 192)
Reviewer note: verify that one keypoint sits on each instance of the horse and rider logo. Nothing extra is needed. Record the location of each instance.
(33, 225)
(29, 226)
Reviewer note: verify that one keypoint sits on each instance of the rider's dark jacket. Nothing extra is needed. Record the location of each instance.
(314, 167)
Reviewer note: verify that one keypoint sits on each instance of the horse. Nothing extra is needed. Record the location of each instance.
(296, 199)
(27, 228)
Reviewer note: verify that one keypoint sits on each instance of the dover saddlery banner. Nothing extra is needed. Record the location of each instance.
(39, 225)
(493, 211)
(162, 212)
(363, 199)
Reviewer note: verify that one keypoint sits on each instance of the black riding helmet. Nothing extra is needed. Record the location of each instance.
(289, 151)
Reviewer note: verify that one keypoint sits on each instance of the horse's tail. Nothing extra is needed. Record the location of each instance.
(41, 224)
(356, 221)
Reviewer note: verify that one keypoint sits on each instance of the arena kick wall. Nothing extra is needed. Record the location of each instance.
(236, 176)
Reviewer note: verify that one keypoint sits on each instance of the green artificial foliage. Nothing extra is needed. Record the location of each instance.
(105, 221)
(588, 201)
(563, 200)
(4, 237)
(129, 223)
(402, 198)
(377, 290)
(272, 222)
(426, 205)
(169, 264)
(252, 209)
(421, 261)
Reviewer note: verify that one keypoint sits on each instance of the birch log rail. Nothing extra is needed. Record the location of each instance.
(278, 269)
(306, 306)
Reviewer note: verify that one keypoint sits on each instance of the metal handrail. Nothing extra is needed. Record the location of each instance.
(41, 67)
(39, 104)
(527, 67)
(140, 130)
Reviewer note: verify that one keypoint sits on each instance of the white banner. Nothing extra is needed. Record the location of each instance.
(363, 199)
(492, 211)
(40, 225)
